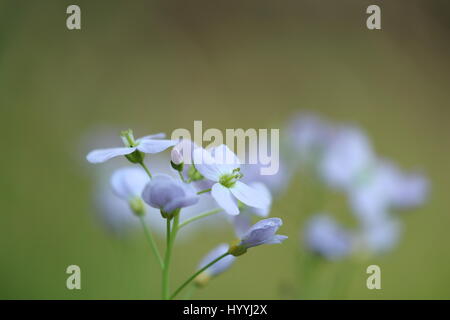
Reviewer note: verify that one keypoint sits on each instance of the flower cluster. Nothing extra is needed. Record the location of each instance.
(214, 174)
(342, 158)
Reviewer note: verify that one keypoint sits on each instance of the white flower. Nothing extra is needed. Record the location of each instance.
(222, 167)
(148, 144)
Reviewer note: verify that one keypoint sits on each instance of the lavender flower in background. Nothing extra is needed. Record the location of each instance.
(217, 268)
(308, 135)
(262, 232)
(323, 236)
(348, 155)
(148, 144)
(222, 166)
(127, 184)
(386, 188)
(379, 237)
(167, 194)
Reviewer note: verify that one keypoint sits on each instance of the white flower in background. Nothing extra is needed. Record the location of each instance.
(118, 198)
(308, 135)
(262, 232)
(381, 236)
(384, 188)
(348, 155)
(128, 182)
(219, 267)
(148, 144)
(223, 167)
(326, 238)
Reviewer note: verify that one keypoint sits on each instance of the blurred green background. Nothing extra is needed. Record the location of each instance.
(160, 65)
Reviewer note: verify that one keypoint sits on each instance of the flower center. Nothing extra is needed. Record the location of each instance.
(229, 179)
(128, 138)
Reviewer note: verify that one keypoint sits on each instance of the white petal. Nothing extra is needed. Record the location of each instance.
(265, 193)
(224, 199)
(155, 146)
(160, 135)
(128, 182)
(250, 196)
(225, 158)
(102, 155)
(206, 164)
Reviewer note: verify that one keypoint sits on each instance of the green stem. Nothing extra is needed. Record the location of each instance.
(204, 191)
(196, 274)
(170, 241)
(146, 169)
(202, 215)
(150, 239)
(182, 177)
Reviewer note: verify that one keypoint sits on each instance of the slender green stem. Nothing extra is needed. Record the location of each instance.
(196, 274)
(146, 169)
(182, 177)
(204, 191)
(150, 239)
(171, 235)
(201, 215)
(165, 273)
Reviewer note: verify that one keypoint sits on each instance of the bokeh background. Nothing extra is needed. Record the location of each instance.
(159, 65)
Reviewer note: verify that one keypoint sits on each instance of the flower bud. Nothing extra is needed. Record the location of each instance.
(137, 206)
(176, 155)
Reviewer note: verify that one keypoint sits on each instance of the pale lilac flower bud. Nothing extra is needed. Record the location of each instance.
(326, 238)
(167, 194)
(262, 232)
(176, 156)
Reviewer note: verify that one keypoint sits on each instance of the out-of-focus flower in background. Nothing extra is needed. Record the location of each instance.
(344, 159)
(346, 156)
(217, 268)
(324, 237)
(307, 137)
